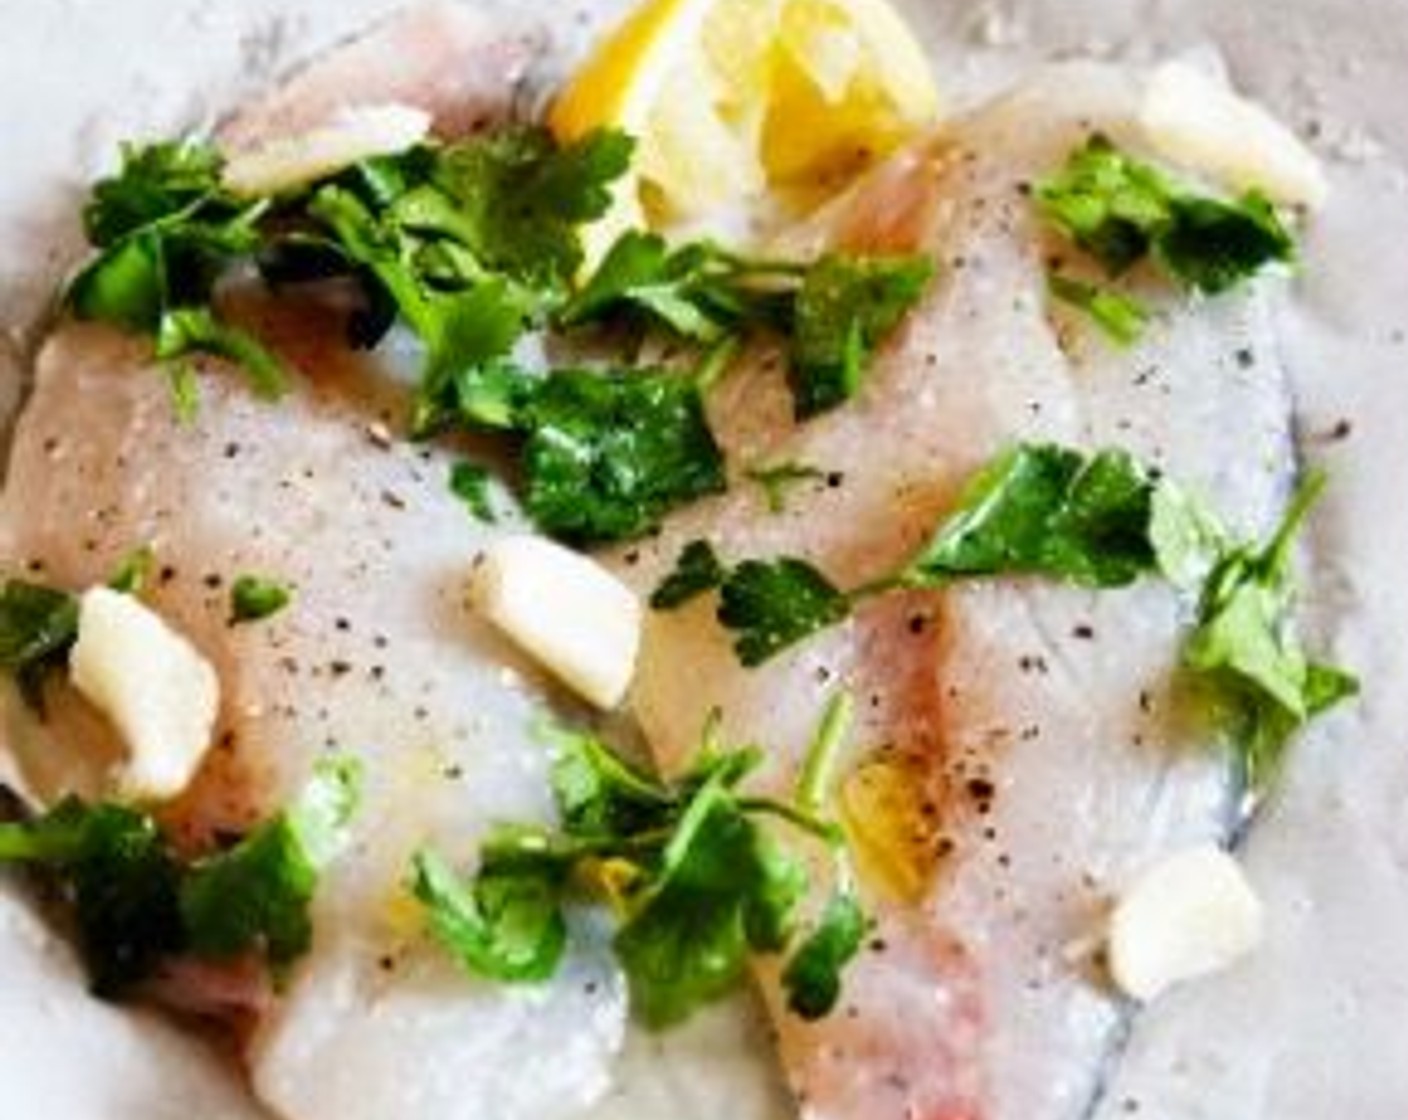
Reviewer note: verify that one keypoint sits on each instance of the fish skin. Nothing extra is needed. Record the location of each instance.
(1037, 728)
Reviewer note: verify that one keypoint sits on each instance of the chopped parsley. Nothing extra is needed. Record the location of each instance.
(603, 454)
(136, 902)
(1245, 649)
(770, 605)
(1046, 510)
(696, 879)
(166, 232)
(845, 308)
(1122, 211)
(697, 571)
(134, 570)
(834, 311)
(256, 894)
(777, 480)
(469, 482)
(1122, 317)
(38, 626)
(253, 598)
(1097, 520)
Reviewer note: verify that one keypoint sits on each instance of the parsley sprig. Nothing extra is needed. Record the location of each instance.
(691, 869)
(1097, 520)
(833, 312)
(136, 902)
(1123, 211)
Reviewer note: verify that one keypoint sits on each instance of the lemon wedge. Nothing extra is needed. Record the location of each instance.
(742, 107)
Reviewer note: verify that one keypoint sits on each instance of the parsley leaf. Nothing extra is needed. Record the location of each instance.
(696, 881)
(1122, 317)
(812, 978)
(136, 903)
(121, 878)
(845, 308)
(189, 331)
(256, 894)
(38, 626)
(605, 453)
(132, 573)
(697, 291)
(776, 480)
(697, 570)
(770, 605)
(519, 199)
(470, 483)
(1050, 510)
(507, 926)
(1121, 211)
(167, 232)
(1245, 649)
(253, 598)
(154, 182)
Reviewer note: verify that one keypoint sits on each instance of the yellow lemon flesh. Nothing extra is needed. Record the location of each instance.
(746, 108)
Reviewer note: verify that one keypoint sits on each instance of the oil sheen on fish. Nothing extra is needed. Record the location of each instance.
(1020, 748)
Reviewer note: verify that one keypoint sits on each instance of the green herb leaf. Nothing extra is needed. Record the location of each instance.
(38, 627)
(520, 199)
(641, 277)
(812, 977)
(1121, 211)
(154, 182)
(774, 604)
(697, 570)
(131, 575)
(696, 881)
(122, 880)
(1211, 245)
(721, 880)
(1245, 650)
(599, 794)
(253, 598)
(507, 926)
(777, 480)
(189, 331)
(167, 232)
(608, 454)
(1122, 317)
(256, 894)
(470, 483)
(1047, 510)
(845, 308)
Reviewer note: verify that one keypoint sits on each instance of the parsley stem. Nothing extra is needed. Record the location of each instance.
(715, 362)
(1278, 552)
(825, 831)
(820, 762)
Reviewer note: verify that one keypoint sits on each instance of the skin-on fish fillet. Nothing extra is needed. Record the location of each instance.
(1019, 748)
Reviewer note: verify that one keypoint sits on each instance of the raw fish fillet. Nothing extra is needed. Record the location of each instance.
(378, 655)
(1020, 749)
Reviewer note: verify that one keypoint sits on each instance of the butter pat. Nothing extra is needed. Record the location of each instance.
(1188, 916)
(567, 611)
(350, 137)
(1195, 120)
(152, 684)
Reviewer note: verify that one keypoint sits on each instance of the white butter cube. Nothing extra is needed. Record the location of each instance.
(572, 615)
(1192, 914)
(152, 684)
(350, 137)
(1196, 120)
